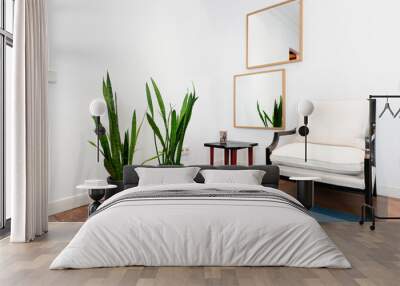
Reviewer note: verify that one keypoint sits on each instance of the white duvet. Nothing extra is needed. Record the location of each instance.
(212, 231)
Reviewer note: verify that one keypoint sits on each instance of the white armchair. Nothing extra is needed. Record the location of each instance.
(338, 152)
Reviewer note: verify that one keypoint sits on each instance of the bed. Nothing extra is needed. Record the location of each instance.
(201, 224)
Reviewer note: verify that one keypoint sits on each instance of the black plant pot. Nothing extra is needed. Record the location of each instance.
(111, 192)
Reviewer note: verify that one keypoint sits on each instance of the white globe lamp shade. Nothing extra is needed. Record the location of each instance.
(97, 107)
(305, 108)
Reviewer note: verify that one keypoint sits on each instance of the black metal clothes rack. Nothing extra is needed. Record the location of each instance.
(368, 209)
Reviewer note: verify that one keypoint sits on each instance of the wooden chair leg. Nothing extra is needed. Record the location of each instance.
(226, 156)
(250, 156)
(233, 157)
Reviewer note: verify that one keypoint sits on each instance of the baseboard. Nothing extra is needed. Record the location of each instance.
(387, 191)
(68, 203)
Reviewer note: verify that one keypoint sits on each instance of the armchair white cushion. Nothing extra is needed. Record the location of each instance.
(336, 143)
(327, 158)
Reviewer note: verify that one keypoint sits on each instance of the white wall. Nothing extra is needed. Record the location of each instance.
(350, 50)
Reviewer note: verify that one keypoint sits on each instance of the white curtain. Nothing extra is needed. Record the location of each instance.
(28, 121)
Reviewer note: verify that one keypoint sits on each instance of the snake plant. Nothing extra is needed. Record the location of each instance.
(276, 119)
(116, 152)
(169, 142)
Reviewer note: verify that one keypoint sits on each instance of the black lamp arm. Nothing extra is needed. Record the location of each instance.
(303, 131)
(99, 131)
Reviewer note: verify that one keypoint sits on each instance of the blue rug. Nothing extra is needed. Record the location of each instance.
(328, 215)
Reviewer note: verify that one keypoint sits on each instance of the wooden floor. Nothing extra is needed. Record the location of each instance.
(75, 215)
(375, 257)
(325, 197)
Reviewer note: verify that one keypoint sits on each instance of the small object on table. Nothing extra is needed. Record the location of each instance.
(223, 136)
(231, 147)
(96, 193)
(305, 190)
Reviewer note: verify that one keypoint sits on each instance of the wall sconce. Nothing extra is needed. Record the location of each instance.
(305, 108)
(98, 108)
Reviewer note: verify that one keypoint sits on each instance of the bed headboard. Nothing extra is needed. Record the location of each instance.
(270, 179)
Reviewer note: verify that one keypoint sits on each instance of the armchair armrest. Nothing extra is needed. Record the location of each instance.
(274, 143)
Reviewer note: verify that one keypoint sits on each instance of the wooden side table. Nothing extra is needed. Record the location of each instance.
(96, 193)
(305, 190)
(231, 147)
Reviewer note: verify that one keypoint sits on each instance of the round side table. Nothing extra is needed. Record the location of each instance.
(305, 190)
(96, 193)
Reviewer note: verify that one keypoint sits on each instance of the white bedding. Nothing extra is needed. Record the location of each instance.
(212, 231)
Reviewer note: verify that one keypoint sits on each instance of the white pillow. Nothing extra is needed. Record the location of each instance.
(248, 177)
(166, 176)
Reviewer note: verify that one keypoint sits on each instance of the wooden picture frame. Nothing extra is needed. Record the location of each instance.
(300, 55)
(283, 75)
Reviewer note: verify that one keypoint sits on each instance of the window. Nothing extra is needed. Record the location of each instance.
(6, 63)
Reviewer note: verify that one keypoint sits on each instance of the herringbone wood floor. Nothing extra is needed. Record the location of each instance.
(375, 257)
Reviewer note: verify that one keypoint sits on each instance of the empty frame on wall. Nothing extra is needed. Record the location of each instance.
(259, 100)
(274, 35)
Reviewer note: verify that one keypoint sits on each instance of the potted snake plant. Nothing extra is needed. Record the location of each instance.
(170, 134)
(117, 151)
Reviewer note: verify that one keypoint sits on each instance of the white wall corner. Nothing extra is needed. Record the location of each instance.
(68, 203)
(388, 191)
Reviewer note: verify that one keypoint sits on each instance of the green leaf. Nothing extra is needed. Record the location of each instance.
(185, 119)
(156, 130)
(280, 113)
(184, 104)
(173, 135)
(160, 101)
(125, 149)
(111, 170)
(116, 104)
(115, 139)
(149, 100)
(161, 106)
(277, 115)
(134, 136)
(151, 109)
(265, 123)
(268, 118)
